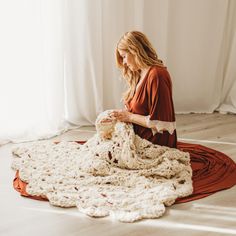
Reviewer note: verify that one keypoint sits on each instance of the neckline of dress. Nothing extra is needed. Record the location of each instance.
(144, 78)
(138, 87)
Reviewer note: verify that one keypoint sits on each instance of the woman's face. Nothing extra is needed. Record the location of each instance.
(128, 59)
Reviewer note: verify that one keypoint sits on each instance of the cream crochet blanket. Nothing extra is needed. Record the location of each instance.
(121, 175)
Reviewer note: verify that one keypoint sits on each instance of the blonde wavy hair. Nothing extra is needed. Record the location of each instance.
(138, 45)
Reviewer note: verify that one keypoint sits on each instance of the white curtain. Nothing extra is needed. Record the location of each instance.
(32, 69)
(196, 40)
(58, 64)
(228, 88)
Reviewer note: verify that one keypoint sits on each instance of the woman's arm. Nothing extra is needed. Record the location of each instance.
(154, 125)
(125, 116)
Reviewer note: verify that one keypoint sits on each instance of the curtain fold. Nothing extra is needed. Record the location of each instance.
(195, 35)
(228, 89)
(84, 61)
(32, 81)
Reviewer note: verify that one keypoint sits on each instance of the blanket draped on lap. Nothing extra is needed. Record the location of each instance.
(123, 175)
(120, 175)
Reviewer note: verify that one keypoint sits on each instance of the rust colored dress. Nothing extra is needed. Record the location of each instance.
(212, 170)
(153, 98)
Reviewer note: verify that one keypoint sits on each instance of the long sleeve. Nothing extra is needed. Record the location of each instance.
(157, 120)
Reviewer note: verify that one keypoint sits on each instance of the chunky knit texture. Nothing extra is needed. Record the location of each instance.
(120, 175)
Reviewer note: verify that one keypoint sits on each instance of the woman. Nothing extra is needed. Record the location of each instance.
(149, 97)
(150, 108)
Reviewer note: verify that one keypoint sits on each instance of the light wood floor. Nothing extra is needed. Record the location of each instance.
(214, 215)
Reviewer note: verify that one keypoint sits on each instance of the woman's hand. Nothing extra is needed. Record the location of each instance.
(122, 115)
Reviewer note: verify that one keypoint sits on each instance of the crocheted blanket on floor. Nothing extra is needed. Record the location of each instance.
(121, 175)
